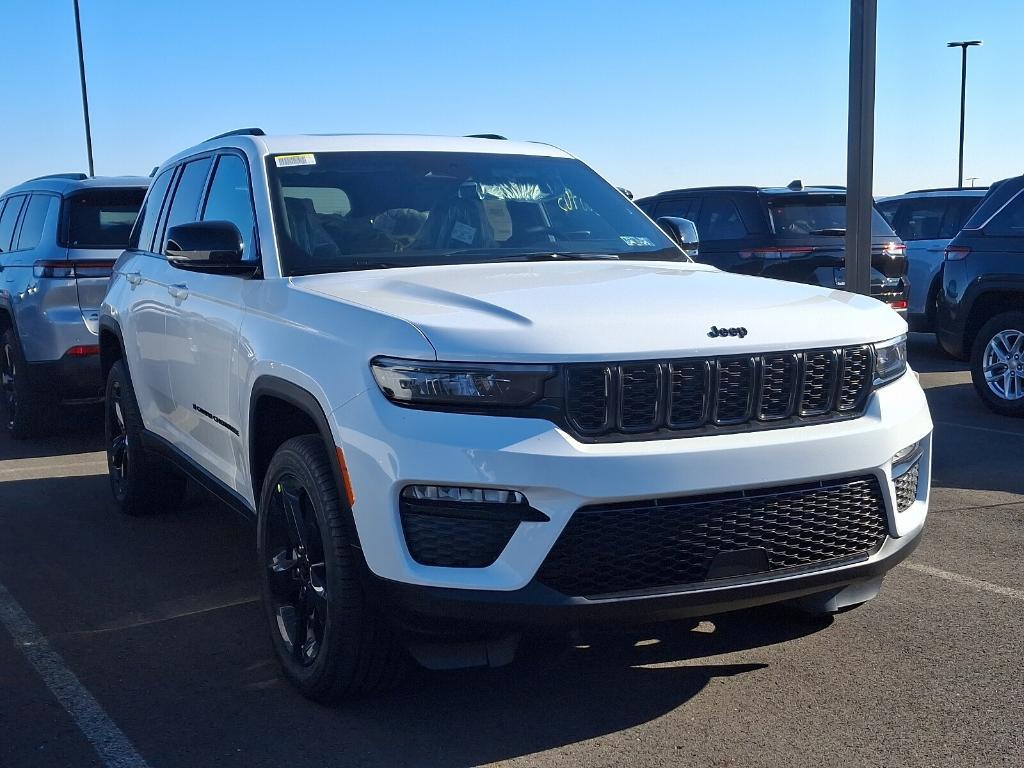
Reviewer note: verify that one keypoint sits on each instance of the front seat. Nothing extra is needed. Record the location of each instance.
(307, 233)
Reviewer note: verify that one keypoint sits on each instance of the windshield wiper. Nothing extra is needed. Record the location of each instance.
(544, 256)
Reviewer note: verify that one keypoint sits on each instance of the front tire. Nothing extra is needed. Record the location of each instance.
(997, 364)
(141, 483)
(27, 412)
(331, 641)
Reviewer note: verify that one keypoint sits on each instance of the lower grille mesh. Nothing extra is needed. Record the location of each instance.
(648, 545)
(906, 487)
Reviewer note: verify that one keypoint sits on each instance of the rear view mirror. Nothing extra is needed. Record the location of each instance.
(208, 246)
(682, 231)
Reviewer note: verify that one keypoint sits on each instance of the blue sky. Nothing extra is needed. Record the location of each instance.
(654, 95)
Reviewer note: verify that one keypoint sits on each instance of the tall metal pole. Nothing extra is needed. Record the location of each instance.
(963, 109)
(963, 45)
(860, 145)
(85, 94)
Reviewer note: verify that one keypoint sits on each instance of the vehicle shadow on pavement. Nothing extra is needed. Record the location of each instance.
(75, 430)
(556, 695)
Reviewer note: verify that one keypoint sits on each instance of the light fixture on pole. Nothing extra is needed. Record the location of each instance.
(963, 45)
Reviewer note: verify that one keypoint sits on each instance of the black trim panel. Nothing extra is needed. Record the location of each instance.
(157, 444)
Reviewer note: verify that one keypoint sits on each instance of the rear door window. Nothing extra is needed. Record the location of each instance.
(101, 218)
(33, 221)
(720, 220)
(8, 218)
(185, 205)
(230, 199)
(680, 207)
(145, 227)
(889, 210)
(921, 218)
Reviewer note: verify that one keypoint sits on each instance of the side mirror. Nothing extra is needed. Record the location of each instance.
(627, 193)
(682, 231)
(208, 246)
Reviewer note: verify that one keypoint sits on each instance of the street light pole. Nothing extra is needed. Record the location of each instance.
(860, 145)
(85, 94)
(963, 45)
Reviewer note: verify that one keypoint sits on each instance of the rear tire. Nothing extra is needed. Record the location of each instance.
(141, 482)
(27, 412)
(997, 364)
(330, 638)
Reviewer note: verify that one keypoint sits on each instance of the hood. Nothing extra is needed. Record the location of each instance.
(606, 310)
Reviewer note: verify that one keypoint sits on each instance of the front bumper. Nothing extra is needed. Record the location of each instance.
(458, 613)
(387, 448)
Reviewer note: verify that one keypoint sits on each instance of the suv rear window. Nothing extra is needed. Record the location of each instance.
(795, 215)
(101, 218)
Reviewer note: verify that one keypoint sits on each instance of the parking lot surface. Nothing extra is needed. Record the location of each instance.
(148, 632)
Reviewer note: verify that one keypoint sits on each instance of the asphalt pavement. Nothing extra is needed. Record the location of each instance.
(139, 641)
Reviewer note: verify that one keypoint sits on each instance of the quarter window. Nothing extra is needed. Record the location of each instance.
(35, 216)
(1010, 221)
(230, 200)
(8, 218)
(142, 236)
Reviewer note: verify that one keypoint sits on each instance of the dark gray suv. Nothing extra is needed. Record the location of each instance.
(59, 238)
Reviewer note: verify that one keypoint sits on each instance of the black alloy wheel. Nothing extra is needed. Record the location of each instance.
(8, 371)
(117, 442)
(296, 571)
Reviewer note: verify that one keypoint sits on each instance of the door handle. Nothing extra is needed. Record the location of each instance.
(133, 278)
(178, 290)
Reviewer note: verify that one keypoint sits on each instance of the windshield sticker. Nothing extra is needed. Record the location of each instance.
(463, 233)
(636, 242)
(286, 161)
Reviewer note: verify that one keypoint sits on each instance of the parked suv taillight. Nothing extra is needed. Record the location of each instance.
(73, 269)
(957, 252)
(895, 249)
(775, 253)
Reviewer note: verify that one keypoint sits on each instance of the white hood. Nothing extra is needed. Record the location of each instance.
(606, 310)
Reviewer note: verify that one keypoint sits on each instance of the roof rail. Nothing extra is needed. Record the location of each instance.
(946, 189)
(72, 176)
(239, 132)
(495, 136)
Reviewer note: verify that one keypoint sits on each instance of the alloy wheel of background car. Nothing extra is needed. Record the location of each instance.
(7, 373)
(297, 571)
(1003, 364)
(117, 442)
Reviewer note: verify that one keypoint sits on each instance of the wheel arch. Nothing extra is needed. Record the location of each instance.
(991, 300)
(111, 345)
(279, 410)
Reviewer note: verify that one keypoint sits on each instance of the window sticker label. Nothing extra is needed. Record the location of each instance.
(463, 233)
(636, 242)
(286, 161)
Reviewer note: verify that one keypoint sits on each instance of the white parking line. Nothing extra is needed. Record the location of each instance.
(967, 581)
(980, 429)
(42, 471)
(106, 738)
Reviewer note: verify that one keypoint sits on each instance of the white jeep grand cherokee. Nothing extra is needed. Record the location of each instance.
(467, 389)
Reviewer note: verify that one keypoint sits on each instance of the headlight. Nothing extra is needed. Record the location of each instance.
(411, 382)
(890, 360)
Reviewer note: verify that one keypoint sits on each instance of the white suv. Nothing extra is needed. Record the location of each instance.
(467, 389)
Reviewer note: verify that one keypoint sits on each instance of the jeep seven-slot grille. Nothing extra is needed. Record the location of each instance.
(655, 544)
(718, 394)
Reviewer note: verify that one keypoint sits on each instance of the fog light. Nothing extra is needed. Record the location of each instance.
(456, 493)
(906, 455)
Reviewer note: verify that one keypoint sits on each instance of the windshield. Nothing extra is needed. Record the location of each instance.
(101, 218)
(356, 210)
(818, 215)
